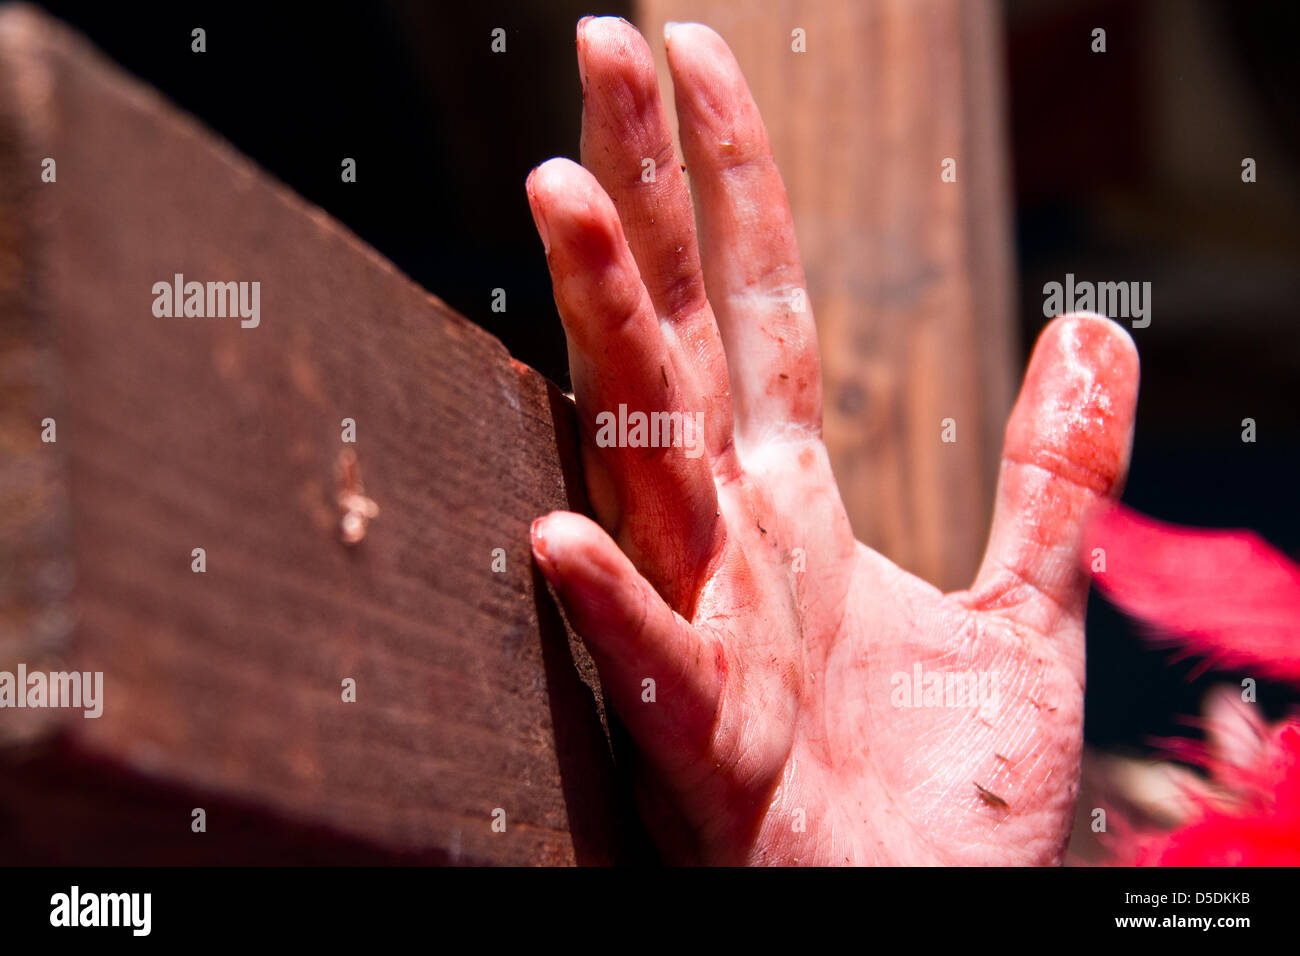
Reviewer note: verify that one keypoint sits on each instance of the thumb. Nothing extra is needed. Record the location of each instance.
(1066, 450)
(663, 677)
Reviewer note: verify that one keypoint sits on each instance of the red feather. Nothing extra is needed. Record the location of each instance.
(1228, 594)
(1235, 598)
(1258, 825)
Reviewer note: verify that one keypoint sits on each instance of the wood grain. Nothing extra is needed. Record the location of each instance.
(223, 688)
(910, 278)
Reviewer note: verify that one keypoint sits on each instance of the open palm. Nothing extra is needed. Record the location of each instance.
(793, 695)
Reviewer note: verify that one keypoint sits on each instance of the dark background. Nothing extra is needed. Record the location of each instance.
(1125, 167)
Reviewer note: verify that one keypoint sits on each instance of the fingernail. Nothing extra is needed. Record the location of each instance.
(668, 28)
(538, 543)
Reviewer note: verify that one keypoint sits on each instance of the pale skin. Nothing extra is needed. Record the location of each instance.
(733, 581)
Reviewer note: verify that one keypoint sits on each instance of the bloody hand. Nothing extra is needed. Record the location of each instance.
(794, 696)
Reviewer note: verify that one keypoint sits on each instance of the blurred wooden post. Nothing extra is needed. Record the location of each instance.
(910, 277)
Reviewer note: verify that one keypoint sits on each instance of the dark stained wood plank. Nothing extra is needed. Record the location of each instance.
(183, 433)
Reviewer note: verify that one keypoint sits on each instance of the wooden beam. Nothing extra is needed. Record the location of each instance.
(910, 277)
(224, 689)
